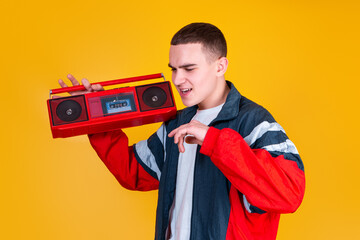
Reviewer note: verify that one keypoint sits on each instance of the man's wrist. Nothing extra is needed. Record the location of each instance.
(210, 140)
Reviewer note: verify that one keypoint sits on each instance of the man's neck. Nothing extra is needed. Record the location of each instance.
(219, 97)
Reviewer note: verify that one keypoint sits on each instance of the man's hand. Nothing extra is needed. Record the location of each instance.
(84, 81)
(196, 129)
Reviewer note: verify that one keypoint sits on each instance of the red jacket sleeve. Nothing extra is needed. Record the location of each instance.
(273, 184)
(113, 150)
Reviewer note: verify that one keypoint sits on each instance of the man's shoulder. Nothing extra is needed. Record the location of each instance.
(253, 111)
(244, 108)
(252, 115)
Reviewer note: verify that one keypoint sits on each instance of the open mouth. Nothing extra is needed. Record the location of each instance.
(185, 91)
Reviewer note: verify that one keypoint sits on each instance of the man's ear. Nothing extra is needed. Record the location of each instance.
(221, 66)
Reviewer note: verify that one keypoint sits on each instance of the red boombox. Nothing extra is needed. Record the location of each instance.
(110, 109)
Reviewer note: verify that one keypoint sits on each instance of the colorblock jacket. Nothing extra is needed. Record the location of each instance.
(247, 172)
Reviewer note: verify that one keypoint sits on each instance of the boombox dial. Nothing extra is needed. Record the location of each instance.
(154, 97)
(68, 110)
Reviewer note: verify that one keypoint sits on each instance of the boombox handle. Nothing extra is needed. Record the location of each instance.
(108, 83)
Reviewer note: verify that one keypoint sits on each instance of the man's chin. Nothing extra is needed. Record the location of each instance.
(189, 104)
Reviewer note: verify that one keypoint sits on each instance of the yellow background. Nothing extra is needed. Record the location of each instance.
(299, 59)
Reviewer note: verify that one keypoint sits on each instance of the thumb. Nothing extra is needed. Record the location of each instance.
(192, 140)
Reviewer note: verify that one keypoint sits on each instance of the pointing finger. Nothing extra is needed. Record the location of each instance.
(172, 133)
(180, 134)
(176, 131)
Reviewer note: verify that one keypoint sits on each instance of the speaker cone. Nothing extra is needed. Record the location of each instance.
(68, 110)
(154, 97)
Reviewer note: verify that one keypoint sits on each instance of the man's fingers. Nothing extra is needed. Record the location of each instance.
(87, 84)
(181, 144)
(179, 139)
(172, 133)
(62, 84)
(176, 132)
(180, 134)
(191, 133)
(73, 80)
(97, 87)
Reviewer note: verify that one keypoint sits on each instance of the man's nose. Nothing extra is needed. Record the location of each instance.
(178, 78)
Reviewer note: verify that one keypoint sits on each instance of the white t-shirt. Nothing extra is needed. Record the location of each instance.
(180, 212)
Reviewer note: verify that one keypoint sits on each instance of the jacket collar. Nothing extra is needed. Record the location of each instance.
(229, 111)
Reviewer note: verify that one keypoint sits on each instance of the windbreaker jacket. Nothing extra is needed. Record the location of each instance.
(247, 171)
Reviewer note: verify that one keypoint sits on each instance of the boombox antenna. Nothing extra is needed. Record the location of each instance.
(108, 83)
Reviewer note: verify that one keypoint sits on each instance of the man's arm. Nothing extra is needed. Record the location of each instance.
(270, 183)
(112, 148)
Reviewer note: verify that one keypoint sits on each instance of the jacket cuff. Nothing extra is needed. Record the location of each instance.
(209, 142)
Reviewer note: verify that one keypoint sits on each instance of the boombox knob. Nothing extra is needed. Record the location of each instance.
(68, 110)
(154, 97)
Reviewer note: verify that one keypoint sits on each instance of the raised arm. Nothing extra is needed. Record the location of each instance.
(112, 148)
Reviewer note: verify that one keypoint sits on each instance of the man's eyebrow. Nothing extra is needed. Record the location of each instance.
(183, 66)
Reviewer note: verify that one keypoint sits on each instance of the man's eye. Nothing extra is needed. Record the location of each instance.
(189, 69)
(173, 69)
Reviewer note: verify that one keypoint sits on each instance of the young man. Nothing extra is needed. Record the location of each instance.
(224, 168)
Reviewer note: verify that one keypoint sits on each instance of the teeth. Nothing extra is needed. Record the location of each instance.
(186, 90)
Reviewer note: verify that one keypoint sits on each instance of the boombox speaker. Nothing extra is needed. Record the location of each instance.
(110, 109)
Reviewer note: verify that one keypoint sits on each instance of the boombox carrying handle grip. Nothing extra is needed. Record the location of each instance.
(108, 83)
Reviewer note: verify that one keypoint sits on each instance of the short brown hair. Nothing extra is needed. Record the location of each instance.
(207, 34)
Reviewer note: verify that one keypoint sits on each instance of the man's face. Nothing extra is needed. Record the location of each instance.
(194, 75)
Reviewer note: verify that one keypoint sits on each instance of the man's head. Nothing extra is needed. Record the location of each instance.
(209, 36)
(198, 62)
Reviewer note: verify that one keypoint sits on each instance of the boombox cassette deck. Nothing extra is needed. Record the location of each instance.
(111, 109)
